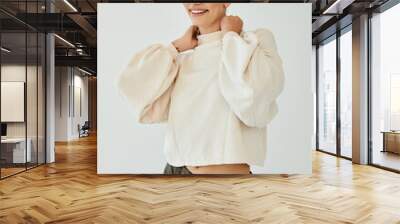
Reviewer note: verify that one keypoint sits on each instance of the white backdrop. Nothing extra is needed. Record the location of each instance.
(125, 146)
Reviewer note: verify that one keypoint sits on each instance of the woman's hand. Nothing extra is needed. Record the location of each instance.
(188, 40)
(232, 23)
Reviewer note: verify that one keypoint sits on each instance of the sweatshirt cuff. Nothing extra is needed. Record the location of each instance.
(171, 49)
(230, 34)
(244, 38)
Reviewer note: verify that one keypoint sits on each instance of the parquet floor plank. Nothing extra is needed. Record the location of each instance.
(70, 191)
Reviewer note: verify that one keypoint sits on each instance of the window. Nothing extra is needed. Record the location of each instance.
(327, 96)
(346, 94)
(395, 101)
(385, 89)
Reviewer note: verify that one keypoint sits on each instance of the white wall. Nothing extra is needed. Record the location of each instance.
(124, 146)
(13, 101)
(80, 83)
(67, 81)
(61, 103)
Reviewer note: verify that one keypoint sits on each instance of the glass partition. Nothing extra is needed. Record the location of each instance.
(22, 63)
(14, 153)
(31, 100)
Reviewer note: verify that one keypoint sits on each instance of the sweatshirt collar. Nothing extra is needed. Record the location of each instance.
(209, 37)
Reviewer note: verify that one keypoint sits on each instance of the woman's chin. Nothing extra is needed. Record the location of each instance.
(199, 23)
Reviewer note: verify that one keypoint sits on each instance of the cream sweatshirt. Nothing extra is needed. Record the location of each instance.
(217, 98)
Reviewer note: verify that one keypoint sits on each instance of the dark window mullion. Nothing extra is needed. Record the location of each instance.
(317, 95)
(45, 89)
(338, 91)
(0, 96)
(369, 90)
(37, 90)
(26, 87)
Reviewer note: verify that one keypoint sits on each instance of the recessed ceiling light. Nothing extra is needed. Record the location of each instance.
(64, 40)
(5, 50)
(337, 7)
(84, 71)
(70, 5)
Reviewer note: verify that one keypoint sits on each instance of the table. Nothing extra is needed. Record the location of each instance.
(15, 148)
(391, 141)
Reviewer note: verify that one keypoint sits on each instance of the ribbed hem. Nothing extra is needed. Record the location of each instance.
(215, 162)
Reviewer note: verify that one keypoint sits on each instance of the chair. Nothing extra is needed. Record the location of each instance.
(84, 130)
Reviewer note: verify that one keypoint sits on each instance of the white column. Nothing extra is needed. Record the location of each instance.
(50, 92)
(360, 90)
(50, 100)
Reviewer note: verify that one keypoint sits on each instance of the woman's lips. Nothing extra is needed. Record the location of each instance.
(198, 12)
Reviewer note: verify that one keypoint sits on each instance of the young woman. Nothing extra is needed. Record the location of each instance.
(216, 87)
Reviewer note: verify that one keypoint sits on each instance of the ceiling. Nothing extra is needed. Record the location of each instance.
(76, 22)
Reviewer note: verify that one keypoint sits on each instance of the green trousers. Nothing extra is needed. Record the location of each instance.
(169, 169)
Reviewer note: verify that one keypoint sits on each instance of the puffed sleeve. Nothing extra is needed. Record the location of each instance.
(251, 76)
(148, 80)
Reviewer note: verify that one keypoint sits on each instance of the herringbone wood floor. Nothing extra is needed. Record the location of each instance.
(70, 191)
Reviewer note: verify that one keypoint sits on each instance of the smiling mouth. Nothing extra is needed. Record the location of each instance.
(198, 12)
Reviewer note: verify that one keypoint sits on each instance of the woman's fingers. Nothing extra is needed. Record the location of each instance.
(232, 23)
(195, 32)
